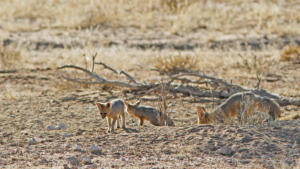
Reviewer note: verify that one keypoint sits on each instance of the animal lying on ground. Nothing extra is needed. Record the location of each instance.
(236, 105)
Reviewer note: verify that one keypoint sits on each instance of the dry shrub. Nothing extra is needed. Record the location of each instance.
(176, 5)
(290, 53)
(256, 62)
(175, 63)
(9, 58)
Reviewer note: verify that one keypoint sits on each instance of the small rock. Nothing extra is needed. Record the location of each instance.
(87, 161)
(66, 166)
(79, 132)
(53, 101)
(51, 128)
(68, 146)
(32, 141)
(67, 135)
(61, 126)
(95, 150)
(78, 148)
(73, 161)
(266, 156)
(13, 144)
(246, 139)
(245, 161)
(180, 157)
(245, 155)
(227, 151)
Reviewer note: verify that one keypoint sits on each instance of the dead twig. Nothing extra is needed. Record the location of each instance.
(93, 64)
(217, 80)
(117, 72)
(128, 76)
(99, 79)
(107, 67)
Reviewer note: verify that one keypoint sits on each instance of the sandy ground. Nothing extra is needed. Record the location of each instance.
(47, 122)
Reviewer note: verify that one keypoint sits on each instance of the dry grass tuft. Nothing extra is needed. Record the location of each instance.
(290, 53)
(175, 63)
(9, 59)
(227, 16)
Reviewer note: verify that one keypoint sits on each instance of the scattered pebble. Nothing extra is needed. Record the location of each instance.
(51, 128)
(227, 151)
(73, 161)
(53, 101)
(95, 150)
(87, 161)
(32, 141)
(78, 148)
(67, 135)
(13, 144)
(60, 126)
(180, 157)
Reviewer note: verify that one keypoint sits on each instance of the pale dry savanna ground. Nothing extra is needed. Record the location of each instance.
(235, 40)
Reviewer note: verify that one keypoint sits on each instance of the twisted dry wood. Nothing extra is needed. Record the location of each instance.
(99, 79)
(226, 92)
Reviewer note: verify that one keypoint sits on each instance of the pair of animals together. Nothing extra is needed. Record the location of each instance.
(237, 105)
(115, 109)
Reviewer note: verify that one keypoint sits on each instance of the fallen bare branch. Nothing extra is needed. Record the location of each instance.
(128, 76)
(99, 79)
(188, 90)
(107, 67)
(220, 81)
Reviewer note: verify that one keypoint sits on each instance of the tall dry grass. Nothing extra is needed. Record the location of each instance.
(227, 16)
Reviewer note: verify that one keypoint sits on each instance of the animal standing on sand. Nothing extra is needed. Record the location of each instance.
(236, 105)
(112, 111)
(148, 113)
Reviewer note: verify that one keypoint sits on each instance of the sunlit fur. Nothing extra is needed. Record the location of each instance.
(147, 113)
(112, 112)
(234, 105)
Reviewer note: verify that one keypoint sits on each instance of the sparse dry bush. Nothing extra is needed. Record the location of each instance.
(175, 63)
(176, 5)
(290, 53)
(9, 58)
(256, 63)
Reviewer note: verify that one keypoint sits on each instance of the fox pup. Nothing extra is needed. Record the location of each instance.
(112, 111)
(234, 106)
(147, 113)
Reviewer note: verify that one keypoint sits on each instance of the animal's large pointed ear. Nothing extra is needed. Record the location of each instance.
(137, 103)
(108, 104)
(98, 105)
(201, 111)
(125, 102)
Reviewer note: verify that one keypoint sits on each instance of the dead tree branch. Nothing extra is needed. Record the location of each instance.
(117, 72)
(101, 80)
(225, 92)
(217, 80)
(128, 76)
(232, 88)
(107, 67)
